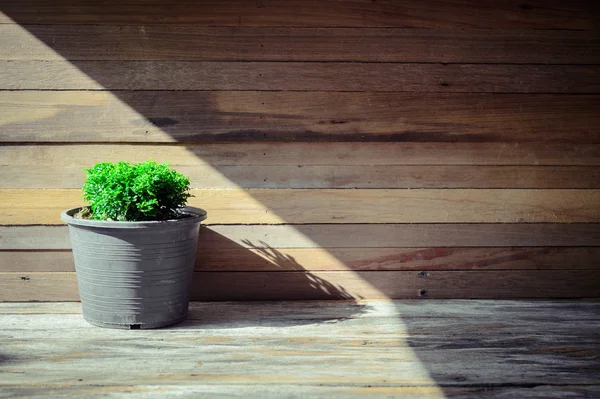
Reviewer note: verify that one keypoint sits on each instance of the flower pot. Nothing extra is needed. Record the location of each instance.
(134, 275)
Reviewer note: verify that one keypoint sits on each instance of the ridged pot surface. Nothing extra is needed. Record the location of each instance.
(134, 275)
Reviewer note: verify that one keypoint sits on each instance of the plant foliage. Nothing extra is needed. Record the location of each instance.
(135, 192)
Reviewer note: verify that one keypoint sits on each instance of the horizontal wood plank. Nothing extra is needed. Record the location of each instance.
(235, 237)
(305, 154)
(398, 284)
(383, 235)
(325, 177)
(331, 259)
(443, 259)
(272, 390)
(196, 43)
(554, 14)
(264, 206)
(183, 116)
(295, 76)
(36, 286)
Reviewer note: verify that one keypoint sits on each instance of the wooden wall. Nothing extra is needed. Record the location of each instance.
(343, 149)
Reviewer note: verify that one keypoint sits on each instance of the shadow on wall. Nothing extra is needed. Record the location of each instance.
(110, 100)
(251, 267)
(164, 84)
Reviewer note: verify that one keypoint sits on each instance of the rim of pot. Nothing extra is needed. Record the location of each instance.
(195, 215)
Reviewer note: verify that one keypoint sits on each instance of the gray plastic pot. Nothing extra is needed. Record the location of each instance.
(134, 275)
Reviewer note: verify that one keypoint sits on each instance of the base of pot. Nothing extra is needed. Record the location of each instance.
(135, 326)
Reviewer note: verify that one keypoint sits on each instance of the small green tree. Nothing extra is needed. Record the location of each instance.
(135, 192)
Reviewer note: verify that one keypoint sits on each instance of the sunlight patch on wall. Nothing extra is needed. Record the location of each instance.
(20, 49)
(85, 123)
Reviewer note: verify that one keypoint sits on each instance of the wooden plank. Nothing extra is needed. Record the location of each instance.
(323, 177)
(50, 287)
(41, 261)
(556, 315)
(298, 76)
(185, 389)
(396, 284)
(197, 43)
(380, 348)
(305, 154)
(373, 259)
(301, 285)
(187, 116)
(398, 345)
(578, 14)
(330, 259)
(34, 238)
(330, 236)
(265, 206)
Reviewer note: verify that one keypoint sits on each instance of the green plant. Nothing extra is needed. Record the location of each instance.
(135, 192)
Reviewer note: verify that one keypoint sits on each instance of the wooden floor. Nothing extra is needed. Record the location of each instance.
(414, 349)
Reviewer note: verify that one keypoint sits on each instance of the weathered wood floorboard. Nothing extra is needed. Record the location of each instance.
(318, 177)
(305, 154)
(345, 236)
(197, 43)
(265, 116)
(266, 206)
(434, 349)
(545, 14)
(297, 76)
(300, 285)
(222, 258)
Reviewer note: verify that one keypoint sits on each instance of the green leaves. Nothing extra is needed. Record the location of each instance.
(135, 192)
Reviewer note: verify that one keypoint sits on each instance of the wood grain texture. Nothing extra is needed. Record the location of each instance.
(197, 43)
(396, 284)
(272, 390)
(303, 285)
(328, 115)
(578, 14)
(264, 206)
(375, 259)
(296, 76)
(393, 235)
(162, 117)
(327, 177)
(305, 154)
(235, 237)
(332, 259)
(499, 349)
